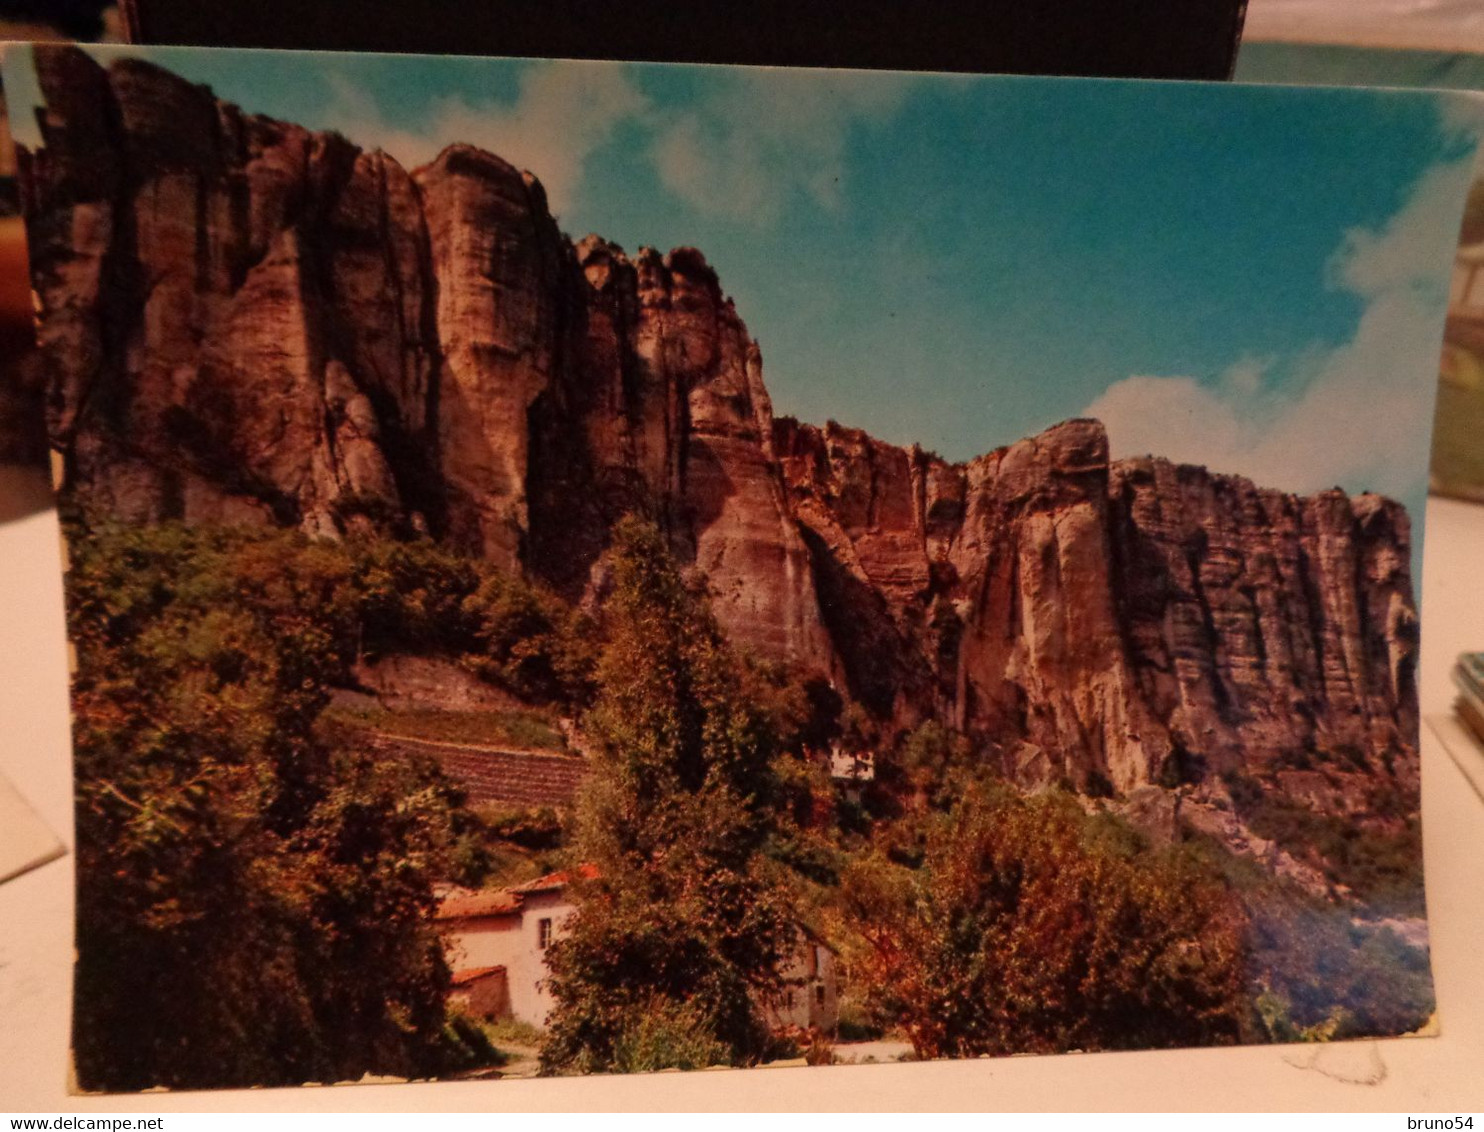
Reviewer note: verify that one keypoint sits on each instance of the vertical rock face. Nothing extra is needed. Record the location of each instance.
(500, 266)
(992, 584)
(1061, 676)
(1270, 629)
(186, 264)
(731, 501)
(1115, 624)
(246, 321)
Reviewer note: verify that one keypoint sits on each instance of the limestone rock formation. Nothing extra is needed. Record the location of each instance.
(246, 321)
(1116, 624)
(499, 263)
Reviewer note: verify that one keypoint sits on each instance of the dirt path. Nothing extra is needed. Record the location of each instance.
(868, 1053)
(525, 1061)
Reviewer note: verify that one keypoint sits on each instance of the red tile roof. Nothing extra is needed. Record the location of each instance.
(466, 904)
(462, 904)
(473, 974)
(553, 882)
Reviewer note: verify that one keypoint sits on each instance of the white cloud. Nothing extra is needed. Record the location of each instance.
(1362, 418)
(761, 137)
(744, 149)
(563, 113)
(1409, 250)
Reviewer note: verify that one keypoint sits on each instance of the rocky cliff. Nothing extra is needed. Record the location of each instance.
(1116, 623)
(246, 321)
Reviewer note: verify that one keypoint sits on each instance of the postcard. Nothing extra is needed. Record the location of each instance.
(598, 568)
(25, 841)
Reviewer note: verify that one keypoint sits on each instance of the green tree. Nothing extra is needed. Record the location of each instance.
(253, 903)
(1013, 925)
(417, 597)
(682, 921)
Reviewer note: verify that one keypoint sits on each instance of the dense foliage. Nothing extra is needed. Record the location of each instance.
(254, 901)
(683, 922)
(1008, 924)
(255, 895)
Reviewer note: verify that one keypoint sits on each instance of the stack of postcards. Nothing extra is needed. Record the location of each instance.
(1468, 674)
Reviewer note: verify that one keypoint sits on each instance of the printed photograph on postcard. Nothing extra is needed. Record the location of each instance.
(591, 567)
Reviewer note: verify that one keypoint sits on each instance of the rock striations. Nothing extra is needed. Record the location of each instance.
(246, 321)
(1115, 623)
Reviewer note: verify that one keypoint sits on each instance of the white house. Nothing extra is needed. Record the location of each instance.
(496, 944)
(508, 931)
(852, 766)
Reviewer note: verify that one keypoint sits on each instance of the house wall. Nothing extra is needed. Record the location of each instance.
(530, 999)
(810, 997)
(482, 941)
(513, 941)
(808, 1000)
(486, 997)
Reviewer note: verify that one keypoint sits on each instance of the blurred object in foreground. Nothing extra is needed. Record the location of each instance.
(1458, 428)
(22, 416)
(22, 408)
(1468, 674)
(1457, 467)
(1447, 25)
(1170, 39)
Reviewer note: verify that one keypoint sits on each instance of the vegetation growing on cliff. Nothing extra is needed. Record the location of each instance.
(1381, 866)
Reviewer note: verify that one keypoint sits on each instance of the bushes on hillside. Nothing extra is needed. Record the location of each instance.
(1318, 973)
(1011, 924)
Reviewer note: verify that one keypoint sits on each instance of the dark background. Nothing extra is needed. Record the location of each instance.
(1191, 39)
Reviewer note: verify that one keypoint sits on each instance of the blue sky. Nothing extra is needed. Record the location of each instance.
(1247, 277)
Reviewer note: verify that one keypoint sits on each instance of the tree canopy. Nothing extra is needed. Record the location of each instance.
(1019, 925)
(254, 898)
(684, 922)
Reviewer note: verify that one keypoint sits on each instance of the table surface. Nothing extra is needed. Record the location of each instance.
(1436, 1074)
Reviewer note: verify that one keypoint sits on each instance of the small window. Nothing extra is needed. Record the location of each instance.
(819, 994)
(543, 933)
(789, 1001)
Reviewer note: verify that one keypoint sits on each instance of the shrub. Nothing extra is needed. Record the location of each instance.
(530, 642)
(1319, 974)
(662, 1034)
(1028, 928)
(1382, 868)
(468, 1044)
(530, 827)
